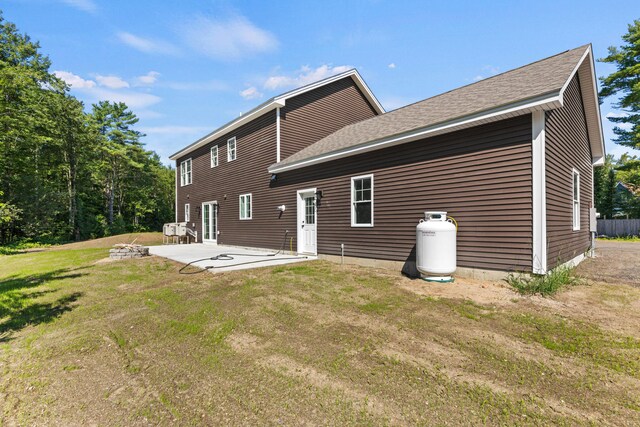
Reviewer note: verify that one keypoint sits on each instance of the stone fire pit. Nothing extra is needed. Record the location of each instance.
(128, 251)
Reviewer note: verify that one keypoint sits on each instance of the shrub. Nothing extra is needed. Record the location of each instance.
(544, 285)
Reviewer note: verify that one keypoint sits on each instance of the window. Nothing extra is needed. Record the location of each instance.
(245, 206)
(310, 210)
(185, 173)
(231, 149)
(576, 200)
(214, 156)
(362, 201)
(187, 212)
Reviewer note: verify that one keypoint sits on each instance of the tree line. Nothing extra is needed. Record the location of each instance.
(67, 174)
(617, 183)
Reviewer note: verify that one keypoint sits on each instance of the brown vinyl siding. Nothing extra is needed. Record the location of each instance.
(255, 148)
(567, 147)
(311, 116)
(481, 176)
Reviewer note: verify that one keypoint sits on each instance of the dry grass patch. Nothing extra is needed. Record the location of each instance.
(310, 343)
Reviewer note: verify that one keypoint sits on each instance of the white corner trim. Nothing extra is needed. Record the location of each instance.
(546, 102)
(278, 134)
(539, 259)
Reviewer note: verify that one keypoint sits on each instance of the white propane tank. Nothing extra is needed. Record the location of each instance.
(436, 247)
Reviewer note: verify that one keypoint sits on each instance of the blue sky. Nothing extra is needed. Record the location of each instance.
(187, 67)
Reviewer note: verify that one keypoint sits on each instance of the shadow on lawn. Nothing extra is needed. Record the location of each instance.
(17, 306)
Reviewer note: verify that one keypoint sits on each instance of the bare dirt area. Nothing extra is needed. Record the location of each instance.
(135, 343)
(145, 239)
(616, 262)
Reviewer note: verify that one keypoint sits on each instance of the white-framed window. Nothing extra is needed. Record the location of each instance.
(576, 200)
(214, 156)
(231, 149)
(245, 206)
(362, 201)
(187, 212)
(185, 173)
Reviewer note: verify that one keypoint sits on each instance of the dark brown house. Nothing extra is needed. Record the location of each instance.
(510, 157)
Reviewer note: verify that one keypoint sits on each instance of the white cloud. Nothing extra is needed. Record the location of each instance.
(623, 126)
(133, 99)
(84, 5)
(147, 80)
(147, 45)
(112, 82)
(74, 80)
(173, 130)
(392, 65)
(230, 39)
(250, 93)
(304, 76)
(214, 85)
(487, 71)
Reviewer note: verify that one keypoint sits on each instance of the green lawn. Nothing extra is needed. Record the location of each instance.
(134, 343)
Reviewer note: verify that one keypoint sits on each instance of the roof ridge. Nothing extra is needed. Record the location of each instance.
(489, 78)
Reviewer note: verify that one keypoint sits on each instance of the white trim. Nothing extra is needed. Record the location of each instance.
(187, 212)
(277, 134)
(235, 149)
(182, 180)
(217, 156)
(546, 102)
(353, 211)
(279, 102)
(299, 213)
(176, 204)
(575, 225)
(598, 155)
(539, 261)
(250, 206)
(215, 240)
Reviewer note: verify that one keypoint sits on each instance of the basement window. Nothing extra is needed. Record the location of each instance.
(185, 173)
(362, 201)
(576, 200)
(231, 149)
(214, 156)
(245, 206)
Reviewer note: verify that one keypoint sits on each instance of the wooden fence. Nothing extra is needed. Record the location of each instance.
(618, 227)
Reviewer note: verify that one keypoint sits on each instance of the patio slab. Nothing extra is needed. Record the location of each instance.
(242, 259)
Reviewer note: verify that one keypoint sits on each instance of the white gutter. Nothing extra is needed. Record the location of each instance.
(545, 102)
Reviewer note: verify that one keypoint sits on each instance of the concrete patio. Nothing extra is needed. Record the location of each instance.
(243, 259)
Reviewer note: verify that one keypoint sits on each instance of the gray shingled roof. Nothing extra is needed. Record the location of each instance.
(530, 81)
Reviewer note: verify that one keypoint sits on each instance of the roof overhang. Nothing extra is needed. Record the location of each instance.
(550, 101)
(279, 102)
(586, 72)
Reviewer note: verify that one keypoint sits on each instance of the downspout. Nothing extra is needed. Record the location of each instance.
(539, 261)
(278, 135)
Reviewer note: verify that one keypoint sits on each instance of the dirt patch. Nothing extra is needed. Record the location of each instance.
(481, 292)
(615, 262)
(145, 239)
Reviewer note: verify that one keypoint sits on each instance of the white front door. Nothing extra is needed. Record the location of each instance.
(307, 242)
(210, 222)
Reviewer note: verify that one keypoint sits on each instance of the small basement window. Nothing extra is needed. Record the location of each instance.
(576, 200)
(362, 201)
(185, 173)
(214, 156)
(245, 206)
(187, 212)
(231, 149)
